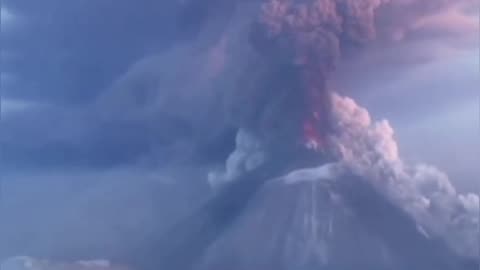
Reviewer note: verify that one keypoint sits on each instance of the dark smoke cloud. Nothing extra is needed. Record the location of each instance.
(301, 42)
(262, 77)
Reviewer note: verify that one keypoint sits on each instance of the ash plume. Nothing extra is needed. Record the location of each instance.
(301, 42)
(285, 51)
(297, 45)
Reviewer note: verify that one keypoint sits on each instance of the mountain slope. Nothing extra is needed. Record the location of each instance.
(337, 224)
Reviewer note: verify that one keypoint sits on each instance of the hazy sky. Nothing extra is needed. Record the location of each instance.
(60, 60)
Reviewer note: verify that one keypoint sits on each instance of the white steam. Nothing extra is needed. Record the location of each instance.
(326, 172)
(368, 148)
(248, 155)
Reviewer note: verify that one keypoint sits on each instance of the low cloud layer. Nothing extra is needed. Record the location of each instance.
(71, 215)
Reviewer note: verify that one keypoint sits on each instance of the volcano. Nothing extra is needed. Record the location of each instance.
(264, 220)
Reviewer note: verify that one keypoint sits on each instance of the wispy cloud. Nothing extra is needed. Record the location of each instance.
(6, 15)
(7, 19)
(11, 106)
(453, 21)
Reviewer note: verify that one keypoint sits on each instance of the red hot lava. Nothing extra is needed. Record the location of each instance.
(311, 136)
(314, 124)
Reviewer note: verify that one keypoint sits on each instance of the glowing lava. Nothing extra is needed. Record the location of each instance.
(312, 137)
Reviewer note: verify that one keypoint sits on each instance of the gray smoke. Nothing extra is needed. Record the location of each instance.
(297, 45)
(368, 148)
(264, 65)
(301, 42)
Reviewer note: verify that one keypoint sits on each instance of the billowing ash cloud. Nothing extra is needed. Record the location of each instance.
(368, 148)
(269, 78)
(300, 42)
